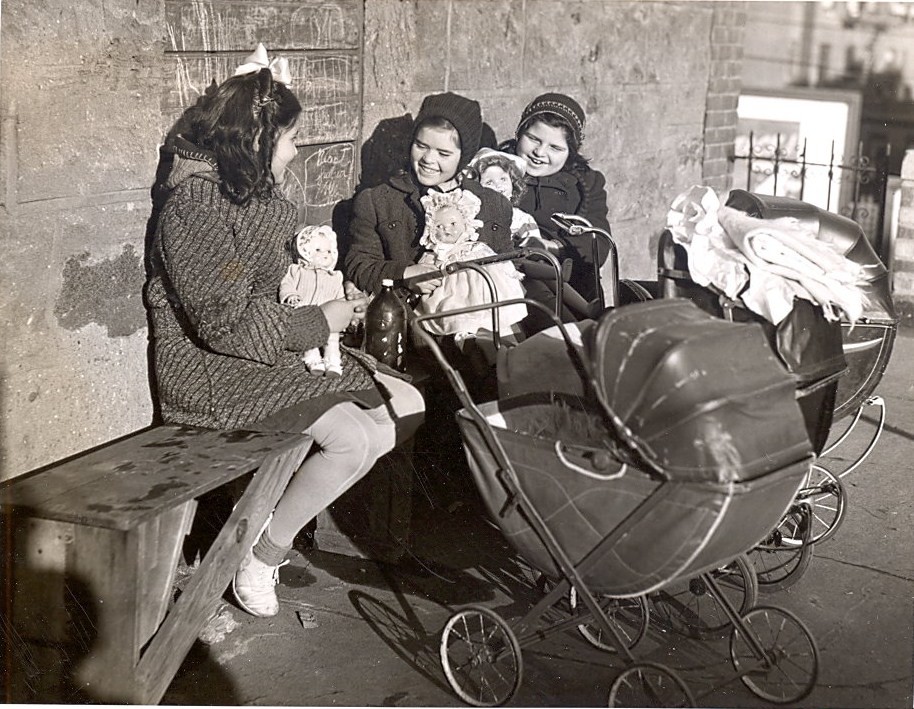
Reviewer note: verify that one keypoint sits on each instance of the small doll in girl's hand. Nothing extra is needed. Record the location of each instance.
(313, 280)
(452, 235)
(504, 173)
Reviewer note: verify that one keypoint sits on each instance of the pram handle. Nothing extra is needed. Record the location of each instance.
(477, 264)
(577, 360)
(577, 225)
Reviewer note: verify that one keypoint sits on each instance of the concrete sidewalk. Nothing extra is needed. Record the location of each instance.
(352, 632)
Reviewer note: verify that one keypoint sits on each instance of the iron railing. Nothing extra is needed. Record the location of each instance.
(855, 186)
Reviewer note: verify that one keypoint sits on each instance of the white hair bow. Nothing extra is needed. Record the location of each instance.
(278, 66)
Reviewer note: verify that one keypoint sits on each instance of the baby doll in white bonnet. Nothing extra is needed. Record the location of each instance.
(452, 235)
(313, 280)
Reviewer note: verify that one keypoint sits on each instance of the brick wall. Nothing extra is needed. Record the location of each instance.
(724, 83)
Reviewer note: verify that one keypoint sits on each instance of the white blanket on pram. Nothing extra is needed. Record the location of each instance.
(763, 263)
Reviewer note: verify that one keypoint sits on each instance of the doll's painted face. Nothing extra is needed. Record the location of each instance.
(317, 248)
(544, 147)
(495, 177)
(451, 225)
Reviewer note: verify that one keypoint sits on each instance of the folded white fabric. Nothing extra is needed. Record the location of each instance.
(785, 249)
(765, 263)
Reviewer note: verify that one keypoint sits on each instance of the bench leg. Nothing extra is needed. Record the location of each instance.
(168, 648)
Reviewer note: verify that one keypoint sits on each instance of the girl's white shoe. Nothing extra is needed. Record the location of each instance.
(254, 586)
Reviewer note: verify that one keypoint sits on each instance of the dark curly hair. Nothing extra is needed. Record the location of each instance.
(239, 121)
(518, 182)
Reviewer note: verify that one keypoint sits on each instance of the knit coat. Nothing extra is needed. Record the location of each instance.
(388, 221)
(580, 191)
(227, 354)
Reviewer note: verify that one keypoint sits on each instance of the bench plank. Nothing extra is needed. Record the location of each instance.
(125, 483)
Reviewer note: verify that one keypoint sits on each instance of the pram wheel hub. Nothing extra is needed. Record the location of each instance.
(775, 655)
(779, 565)
(648, 684)
(481, 657)
(689, 608)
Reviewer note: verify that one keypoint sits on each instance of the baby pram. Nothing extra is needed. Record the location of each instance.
(837, 367)
(698, 457)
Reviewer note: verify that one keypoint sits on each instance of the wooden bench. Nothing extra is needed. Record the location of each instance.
(92, 550)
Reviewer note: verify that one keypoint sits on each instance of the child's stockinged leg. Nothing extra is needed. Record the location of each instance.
(404, 408)
(349, 442)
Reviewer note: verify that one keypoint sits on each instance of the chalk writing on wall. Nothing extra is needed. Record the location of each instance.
(319, 178)
(322, 40)
(237, 25)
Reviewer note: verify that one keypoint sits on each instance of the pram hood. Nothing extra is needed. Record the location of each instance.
(693, 397)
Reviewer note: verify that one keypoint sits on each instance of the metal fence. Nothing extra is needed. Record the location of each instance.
(855, 186)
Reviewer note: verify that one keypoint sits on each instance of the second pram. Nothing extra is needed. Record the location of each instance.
(673, 461)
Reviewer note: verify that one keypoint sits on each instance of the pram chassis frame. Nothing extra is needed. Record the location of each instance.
(525, 634)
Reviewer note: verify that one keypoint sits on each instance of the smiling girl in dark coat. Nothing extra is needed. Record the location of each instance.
(388, 220)
(559, 179)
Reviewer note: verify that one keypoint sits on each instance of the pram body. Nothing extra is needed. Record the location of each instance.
(707, 450)
(710, 452)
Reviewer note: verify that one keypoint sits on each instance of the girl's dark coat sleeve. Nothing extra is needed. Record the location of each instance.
(593, 207)
(213, 283)
(381, 238)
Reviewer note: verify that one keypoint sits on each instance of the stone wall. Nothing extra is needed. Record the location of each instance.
(86, 94)
(659, 82)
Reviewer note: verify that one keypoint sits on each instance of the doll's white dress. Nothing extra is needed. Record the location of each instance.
(467, 287)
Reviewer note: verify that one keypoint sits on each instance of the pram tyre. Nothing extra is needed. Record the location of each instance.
(630, 617)
(649, 684)
(777, 565)
(480, 656)
(826, 496)
(788, 671)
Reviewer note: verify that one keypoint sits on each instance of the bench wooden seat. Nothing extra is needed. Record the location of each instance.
(92, 549)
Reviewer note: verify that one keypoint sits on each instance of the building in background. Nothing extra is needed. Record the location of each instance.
(842, 49)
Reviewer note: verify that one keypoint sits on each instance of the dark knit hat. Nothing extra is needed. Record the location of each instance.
(463, 113)
(559, 105)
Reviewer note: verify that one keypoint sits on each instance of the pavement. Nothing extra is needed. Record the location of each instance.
(355, 632)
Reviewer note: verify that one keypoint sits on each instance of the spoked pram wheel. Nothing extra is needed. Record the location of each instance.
(629, 616)
(481, 657)
(825, 495)
(779, 564)
(775, 654)
(649, 684)
(689, 607)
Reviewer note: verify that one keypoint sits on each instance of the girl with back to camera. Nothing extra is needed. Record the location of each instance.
(227, 353)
